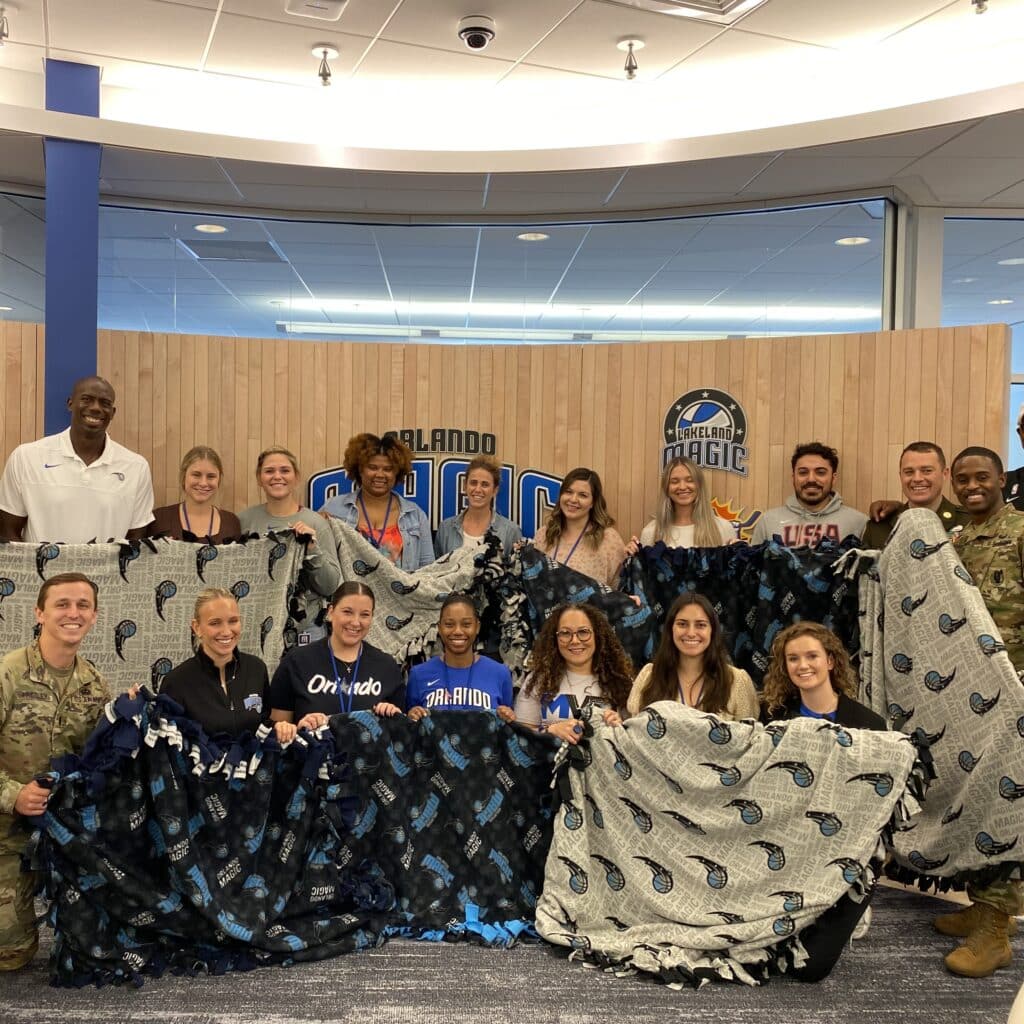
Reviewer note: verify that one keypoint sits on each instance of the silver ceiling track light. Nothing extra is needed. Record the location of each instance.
(5, 28)
(325, 52)
(631, 67)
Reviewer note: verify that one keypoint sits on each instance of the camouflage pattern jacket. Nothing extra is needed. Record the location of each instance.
(993, 553)
(41, 718)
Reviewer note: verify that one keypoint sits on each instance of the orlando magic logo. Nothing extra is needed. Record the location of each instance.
(709, 427)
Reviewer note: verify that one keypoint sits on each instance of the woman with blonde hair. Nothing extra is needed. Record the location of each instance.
(580, 532)
(196, 516)
(810, 676)
(397, 527)
(224, 690)
(468, 528)
(685, 518)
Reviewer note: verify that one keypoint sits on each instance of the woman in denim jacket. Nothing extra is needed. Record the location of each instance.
(467, 529)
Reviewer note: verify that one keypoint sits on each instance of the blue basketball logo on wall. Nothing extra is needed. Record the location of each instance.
(709, 427)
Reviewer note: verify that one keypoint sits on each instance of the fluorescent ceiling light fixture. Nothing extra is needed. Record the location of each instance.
(964, 280)
(533, 236)
(210, 229)
(427, 313)
(1000, 302)
(1012, 261)
(853, 240)
(6, 309)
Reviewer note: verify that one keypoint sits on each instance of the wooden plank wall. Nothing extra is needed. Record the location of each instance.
(552, 407)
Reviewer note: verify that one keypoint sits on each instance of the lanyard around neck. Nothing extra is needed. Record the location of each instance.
(345, 709)
(572, 550)
(374, 539)
(682, 692)
(447, 689)
(188, 524)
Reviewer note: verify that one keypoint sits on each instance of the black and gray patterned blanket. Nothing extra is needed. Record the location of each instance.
(692, 848)
(933, 662)
(147, 591)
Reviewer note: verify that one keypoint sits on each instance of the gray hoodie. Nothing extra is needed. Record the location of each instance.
(796, 525)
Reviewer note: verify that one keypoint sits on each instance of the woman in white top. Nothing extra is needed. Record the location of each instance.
(692, 666)
(576, 660)
(685, 518)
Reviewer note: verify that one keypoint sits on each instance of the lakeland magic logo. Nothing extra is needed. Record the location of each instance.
(709, 427)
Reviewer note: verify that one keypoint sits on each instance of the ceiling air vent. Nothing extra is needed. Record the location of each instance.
(224, 249)
(582, 336)
(322, 10)
(722, 12)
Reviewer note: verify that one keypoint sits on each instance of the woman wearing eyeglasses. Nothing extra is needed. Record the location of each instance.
(397, 527)
(576, 660)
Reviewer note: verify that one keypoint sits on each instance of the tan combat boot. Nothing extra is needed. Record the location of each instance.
(962, 922)
(987, 947)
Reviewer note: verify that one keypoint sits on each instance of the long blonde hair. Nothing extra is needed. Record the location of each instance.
(705, 526)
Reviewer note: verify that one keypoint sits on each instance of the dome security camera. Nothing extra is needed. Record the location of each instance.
(476, 31)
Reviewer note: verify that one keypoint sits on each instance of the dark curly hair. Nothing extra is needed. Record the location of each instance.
(611, 666)
(663, 683)
(779, 689)
(600, 517)
(363, 447)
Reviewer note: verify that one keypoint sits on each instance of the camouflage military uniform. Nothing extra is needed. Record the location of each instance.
(42, 715)
(993, 553)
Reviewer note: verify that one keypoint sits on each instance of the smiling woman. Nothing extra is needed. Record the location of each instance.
(196, 516)
(468, 528)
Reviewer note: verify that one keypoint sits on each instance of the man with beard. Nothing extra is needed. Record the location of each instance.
(816, 510)
(79, 485)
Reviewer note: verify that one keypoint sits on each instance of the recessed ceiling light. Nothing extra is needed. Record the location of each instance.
(211, 229)
(1000, 302)
(964, 280)
(1013, 261)
(533, 236)
(853, 240)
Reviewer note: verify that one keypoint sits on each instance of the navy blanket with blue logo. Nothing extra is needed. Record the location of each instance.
(163, 849)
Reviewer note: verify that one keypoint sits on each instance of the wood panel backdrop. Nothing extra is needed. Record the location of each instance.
(551, 407)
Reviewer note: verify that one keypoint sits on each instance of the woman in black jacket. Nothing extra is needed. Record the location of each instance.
(224, 690)
(810, 676)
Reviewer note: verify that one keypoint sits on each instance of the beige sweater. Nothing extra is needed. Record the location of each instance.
(743, 701)
(602, 564)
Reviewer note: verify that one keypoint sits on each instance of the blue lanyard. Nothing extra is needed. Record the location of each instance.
(352, 682)
(374, 539)
(682, 695)
(447, 688)
(572, 550)
(188, 525)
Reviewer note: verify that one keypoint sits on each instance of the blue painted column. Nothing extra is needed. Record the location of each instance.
(72, 240)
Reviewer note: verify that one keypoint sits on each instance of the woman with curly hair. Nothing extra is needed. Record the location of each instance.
(810, 675)
(692, 666)
(576, 660)
(394, 525)
(685, 518)
(580, 532)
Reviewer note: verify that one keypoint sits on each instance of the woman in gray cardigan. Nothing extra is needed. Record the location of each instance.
(467, 529)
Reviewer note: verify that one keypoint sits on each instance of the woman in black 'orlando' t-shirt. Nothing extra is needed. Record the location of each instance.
(340, 673)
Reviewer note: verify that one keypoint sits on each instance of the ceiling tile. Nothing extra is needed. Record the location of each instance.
(164, 33)
(999, 136)
(757, 52)
(393, 60)
(586, 40)
(796, 174)
(22, 159)
(963, 181)
(360, 17)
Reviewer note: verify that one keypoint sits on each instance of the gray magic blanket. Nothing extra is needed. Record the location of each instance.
(933, 661)
(692, 848)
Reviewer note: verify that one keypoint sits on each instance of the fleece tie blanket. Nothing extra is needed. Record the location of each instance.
(934, 664)
(163, 849)
(147, 592)
(691, 848)
(534, 585)
(757, 591)
(407, 604)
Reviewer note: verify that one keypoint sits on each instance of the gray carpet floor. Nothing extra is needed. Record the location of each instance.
(893, 976)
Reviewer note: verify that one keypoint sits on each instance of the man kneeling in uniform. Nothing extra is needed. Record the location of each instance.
(50, 701)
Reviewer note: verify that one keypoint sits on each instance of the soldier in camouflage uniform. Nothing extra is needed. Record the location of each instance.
(50, 701)
(991, 546)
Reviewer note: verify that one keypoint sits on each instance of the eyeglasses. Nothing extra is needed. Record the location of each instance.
(566, 636)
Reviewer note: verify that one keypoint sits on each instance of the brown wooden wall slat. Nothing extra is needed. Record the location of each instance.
(551, 407)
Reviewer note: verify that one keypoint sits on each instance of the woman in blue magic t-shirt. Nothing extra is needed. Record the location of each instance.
(810, 676)
(459, 679)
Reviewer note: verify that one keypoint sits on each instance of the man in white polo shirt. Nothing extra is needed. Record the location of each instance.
(79, 485)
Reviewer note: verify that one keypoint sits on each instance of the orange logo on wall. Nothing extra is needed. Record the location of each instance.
(743, 527)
